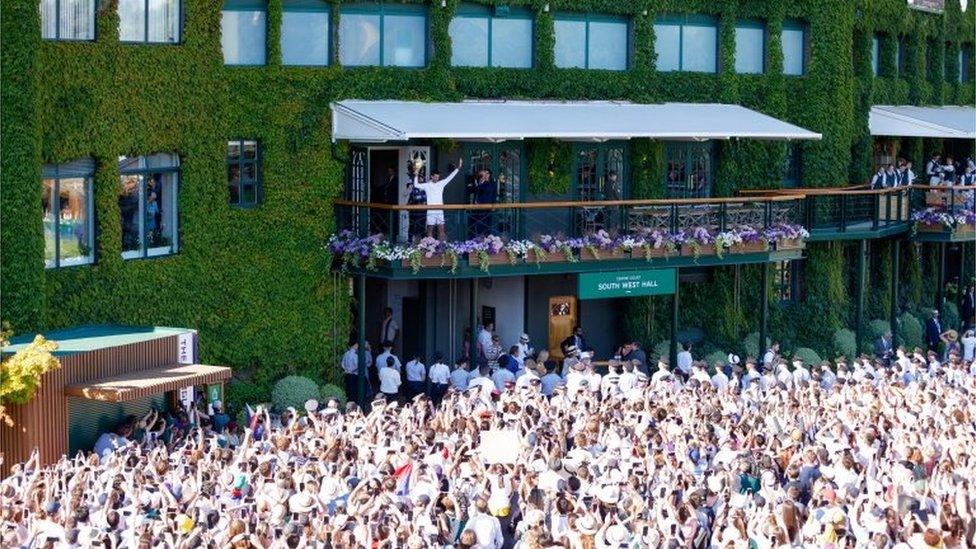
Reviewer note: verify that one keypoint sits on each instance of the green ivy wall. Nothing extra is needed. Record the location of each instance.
(255, 282)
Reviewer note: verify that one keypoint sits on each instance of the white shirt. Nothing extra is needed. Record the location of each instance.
(684, 362)
(968, 347)
(350, 362)
(627, 381)
(485, 383)
(439, 373)
(416, 370)
(487, 530)
(484, 340)
(435, 189)
(459, 378)
(389, 380)
(381, 361)
(720, 381)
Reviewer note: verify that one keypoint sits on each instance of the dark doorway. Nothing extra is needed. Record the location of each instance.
(413, 328)
(384, 186)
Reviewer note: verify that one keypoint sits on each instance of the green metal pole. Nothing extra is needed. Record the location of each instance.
(673, 354)
(862, 250)
(361, 334)
(940, 291)
(895, 280)
(473, 322)
(763, 307)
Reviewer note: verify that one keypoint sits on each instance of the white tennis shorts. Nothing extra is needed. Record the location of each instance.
(435, 217)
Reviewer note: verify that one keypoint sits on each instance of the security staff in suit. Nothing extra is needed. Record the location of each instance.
(933, 331)
(883, 349)
(968, 308)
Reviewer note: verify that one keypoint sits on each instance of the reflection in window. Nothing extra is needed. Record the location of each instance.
(243, 173)
(503, 164)
(600, 175)
(965, 59)
(592, 42)
(686, 43)
(384, 35)
(750, 47)
(67, 19)
(148, 205)
(242, 32)
(875, 55)
(152, 21)
(901, 56)
(689, 169)
(481, 39)
(793, 42)
(305, 32)
(67, 202)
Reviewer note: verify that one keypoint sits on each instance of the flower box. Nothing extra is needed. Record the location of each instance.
(705, 249)
(587, 255)
(497, 258)
(554, 257)
(789, 244)
(433, 261)
(750, 248)
(931, 228)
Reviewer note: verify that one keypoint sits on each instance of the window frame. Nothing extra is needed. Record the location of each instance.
(89, 178)
(258, 181)
(143, 251)
(382, 9)
(803, 27)
(145, 30)
(793, 167)
(57, 24)
(783, 269)
(587, 18)
(751, 24)
(247, 7)
(901, 56)
(693, 20)
(875, 55)
(321, 6)
(965, 60)
(602, 148)
(687, 151)
(478, 11)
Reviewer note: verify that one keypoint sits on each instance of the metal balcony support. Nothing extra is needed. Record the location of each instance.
(361, 340)
(895, 246)
(722, 217)
(763, 304)
(473, 322)
(876, 213)
(843, 213)
(862, 250)
(941, 279)
(675, 303)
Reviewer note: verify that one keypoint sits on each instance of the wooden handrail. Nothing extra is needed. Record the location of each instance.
(857, 189)
(800, 190)
(945, 188)
(565, 204)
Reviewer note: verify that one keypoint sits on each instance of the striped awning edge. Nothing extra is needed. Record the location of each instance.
(133, 385)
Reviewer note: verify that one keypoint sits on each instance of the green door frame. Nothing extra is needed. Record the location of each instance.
(601, 164)
(495, 149)
(687, 150)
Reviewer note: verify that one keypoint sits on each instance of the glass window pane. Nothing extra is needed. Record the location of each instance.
(233, 150)
(699, 48)
(50, 223)
(305, 38)
(250, 150)
(164, 21)
(250, 194)
(159, 213)
(250, 171)
(792, 51)
(608, 45)
(511, 43)
(667, 44)
(359, 39)
(162, 160)
(129, 212)
(570, 43)
(132, 20)
(77, 20)
(234, 182)
(242, 37)
(49, 19)
(74, 227)
(404, 40)
(875, 55)
(749, 54)
(469, 41)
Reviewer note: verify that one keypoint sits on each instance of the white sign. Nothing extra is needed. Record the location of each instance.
(500, 447)
(186, 396)
(186, 345)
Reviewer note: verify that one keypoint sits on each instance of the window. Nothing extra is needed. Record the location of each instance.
(785, 277)
(686, 43)
(387, 35)
(68, 19)
(793, 168)
(875, 55)
(243, 173)
(592, 42)
(305, 33)
(750, 47)
(794, 48)
(481, 38)
(68, 205)
(599, 173)
(505, 163)
(243, 26)
(148, 204)
(965, 60)
(689, 169)
(150, 21)
(901, 56)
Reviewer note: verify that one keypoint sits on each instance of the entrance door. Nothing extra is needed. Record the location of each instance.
(357, 186)
(412, 332)
(381, 162)
(504, 162)
(563, 314)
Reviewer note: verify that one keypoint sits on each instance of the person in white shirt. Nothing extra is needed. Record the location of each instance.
(628, 378)
(525, 347)
(486, 528)
(720, 381)
(435, 197)
(416, 375)
(770, 356)
(482, 380)
(350, 368)
(459, 376)
(969, 345)
(698, 372)
(783, 375)
(390, 379)
(610, 386)
(685, 360)
(440, 377)
(484, 340)
(800, 374)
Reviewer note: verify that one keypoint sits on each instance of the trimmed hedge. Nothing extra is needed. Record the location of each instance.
(294, 391)
(808, 356)
(329, 391)
(844, 344)
(911, 331)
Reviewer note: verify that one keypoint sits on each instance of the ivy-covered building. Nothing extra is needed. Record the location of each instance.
(174, 163)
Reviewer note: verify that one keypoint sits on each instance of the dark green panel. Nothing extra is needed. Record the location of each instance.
(87, 419)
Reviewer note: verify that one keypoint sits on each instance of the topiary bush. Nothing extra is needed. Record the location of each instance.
(662, 349)
(876, 329)
(239, 393)
(750, 345)
(951, 319)
(845, 343)
(910, 330)
(293, 391)
(329, 391)
(713, 357)
(808, 356)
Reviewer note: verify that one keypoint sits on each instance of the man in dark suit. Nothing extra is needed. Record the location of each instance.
(933, 331)
(968, 308)
(577, 339)
(883, 349)
(483, 190)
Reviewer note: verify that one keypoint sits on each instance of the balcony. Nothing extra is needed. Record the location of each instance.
(565, 237)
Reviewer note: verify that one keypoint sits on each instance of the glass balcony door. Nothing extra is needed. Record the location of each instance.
(495, 173)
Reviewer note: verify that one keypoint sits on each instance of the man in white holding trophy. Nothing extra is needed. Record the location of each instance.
(435, 196)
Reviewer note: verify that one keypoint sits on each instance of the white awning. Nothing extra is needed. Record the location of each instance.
(378, 121)
(912, 121)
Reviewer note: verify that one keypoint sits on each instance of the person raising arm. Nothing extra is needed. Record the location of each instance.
(435, 197)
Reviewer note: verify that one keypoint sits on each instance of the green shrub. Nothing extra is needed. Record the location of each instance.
(692, 335)
(750, 345)
(845, 343)
(713, 357)
(238, 393)
(662, 349)
(878, 328)
(329, 391)
(293, 391)
(951, 319)
(808, 356)
(911, 331)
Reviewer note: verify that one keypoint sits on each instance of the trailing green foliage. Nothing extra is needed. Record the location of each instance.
(293, 391)
(950, 318)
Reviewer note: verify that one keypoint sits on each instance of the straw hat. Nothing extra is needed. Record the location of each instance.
(952, 335)
(587, 525)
